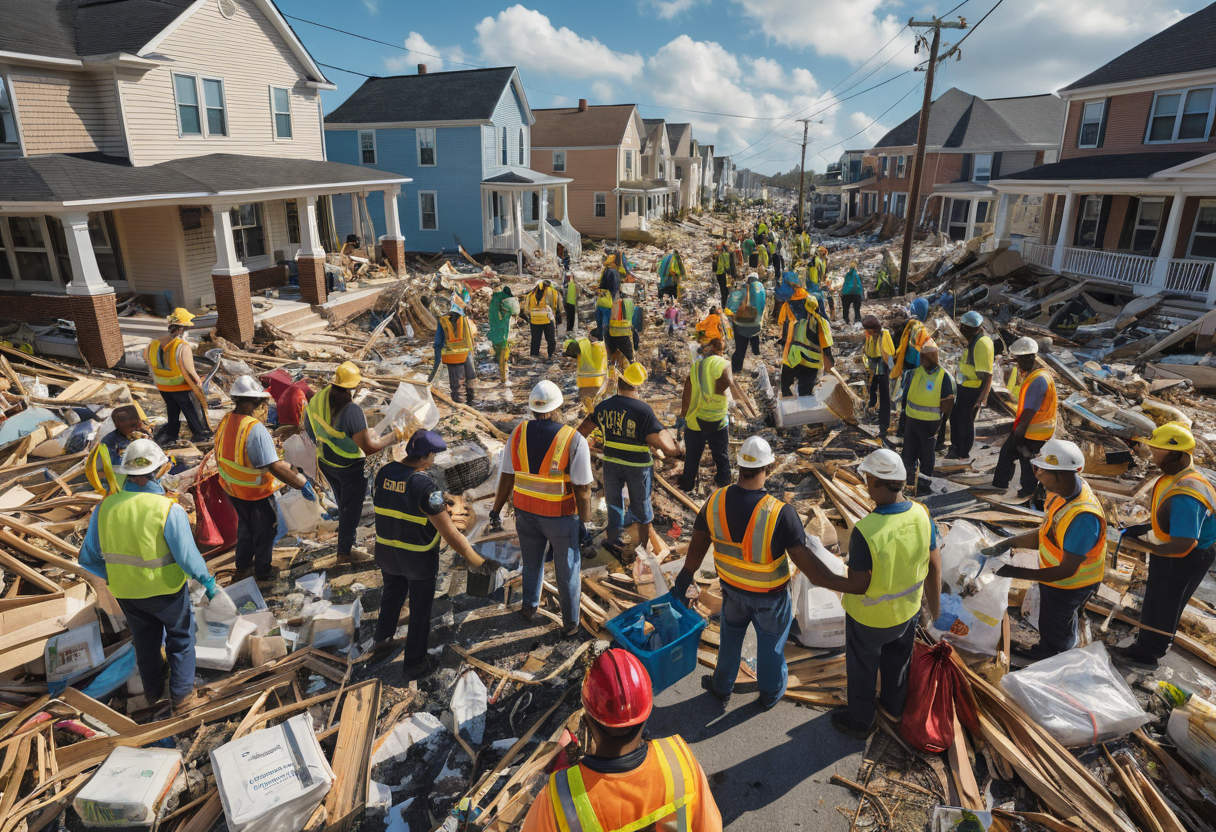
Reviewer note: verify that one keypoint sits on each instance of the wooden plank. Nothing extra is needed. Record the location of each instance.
(352, 757)
(960, 769)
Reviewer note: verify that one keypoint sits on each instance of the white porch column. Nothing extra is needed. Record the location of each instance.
(392, 217)
(226, 261)
(310, 261)
(1000, 230)
(972, 210)
(310, 234)
(1057, 257)
(86, 277)
(230, 279)
(543, 220)
(519, 230)
(1161, 269)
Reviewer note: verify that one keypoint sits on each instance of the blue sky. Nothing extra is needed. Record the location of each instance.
(746, 67)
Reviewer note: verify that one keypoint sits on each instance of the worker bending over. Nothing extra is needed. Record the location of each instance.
(710, 327)
(928, 401)
(879, 351)
(541, 307)
(703, 415)
(808, 349)
(1034, 423)
(100, 469)
(171, 364)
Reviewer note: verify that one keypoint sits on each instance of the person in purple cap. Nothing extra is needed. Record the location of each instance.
(411, 521)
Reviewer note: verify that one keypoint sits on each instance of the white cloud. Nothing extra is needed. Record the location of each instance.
(603, 92)
(668, 9)
(871, 130)
(849, 29)
(768, 74)
(528, 39)
(372, 6)
(422, 52)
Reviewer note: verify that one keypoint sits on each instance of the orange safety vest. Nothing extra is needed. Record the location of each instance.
(748, 564)
(1188, 482)
(1058, 514)
(456, 341)
(548, 491)
(916, 332)
(169, 377)
(1043, 424)
(237, 477)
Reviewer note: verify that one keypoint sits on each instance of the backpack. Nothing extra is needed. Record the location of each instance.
(747, 313)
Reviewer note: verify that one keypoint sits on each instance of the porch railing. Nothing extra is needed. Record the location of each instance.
(565, 233)
(1190, 277)
(1135, 269)
(1037, 253)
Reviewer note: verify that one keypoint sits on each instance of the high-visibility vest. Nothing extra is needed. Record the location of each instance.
(168, 377)
(812, 273)
(748, 564)
(389, 528)
(710, 326)
(671, 782)
(571, 293)
(620, 449)
(333, 446)
(723, 264)
(966, 364)
(457, 340)
(621, 323)
(592, 364)
(1043, 423)
(547, 491)
(1188, 482)
(899, 546)
(924, 400)
(1058, 514)
(1012, 384)
(237, 477)
(914, 333)
(705, 405)
(99, 469)
(131, 535)
(804, 347)
(540, 311)
(877, 350)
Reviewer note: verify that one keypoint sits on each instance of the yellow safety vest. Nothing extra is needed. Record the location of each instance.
(547, 491)
(899, 546)
(571, 293)
(966, 364)
(1058, 514)
(457, 340)
(914, 333)
(805, 346)
(877, 350)
(540, 312)
(592, 364)
(1188, 482)
(99, 469)
(237, 477)
(924, 400)
(704, 404)
(1012, 384)
(1043, 424)
(621, 323)
(749, 563)
(131, 535)
(333, 446)
(169, 377)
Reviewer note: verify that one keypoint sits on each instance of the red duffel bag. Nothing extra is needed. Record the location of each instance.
(936, 692)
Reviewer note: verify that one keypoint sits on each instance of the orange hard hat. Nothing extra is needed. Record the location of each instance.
(617, 691)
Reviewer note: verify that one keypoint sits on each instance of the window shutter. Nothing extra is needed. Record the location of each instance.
(1102, 126)
(1103, 219)
(1129, 224)
(965, 173)
(1165, 216)
(996, 166)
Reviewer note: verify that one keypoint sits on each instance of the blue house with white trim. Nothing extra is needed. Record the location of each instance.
(465, 140)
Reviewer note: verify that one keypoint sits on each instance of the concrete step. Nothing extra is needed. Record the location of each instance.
(305, 326)
(285, 312)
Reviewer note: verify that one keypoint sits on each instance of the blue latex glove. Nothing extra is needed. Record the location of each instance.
(211, 587)
(679, 590)
(680, 424)
(308, 492)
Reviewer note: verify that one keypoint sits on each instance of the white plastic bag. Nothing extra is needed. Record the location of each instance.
(972, 622)
(300, 452)
(962, 544)
(302, 514)
(1077, 697)
(819, 614)
(1031, 602)
(408, 399)
(469, 707)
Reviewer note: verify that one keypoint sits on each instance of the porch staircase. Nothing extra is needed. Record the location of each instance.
(296, 318)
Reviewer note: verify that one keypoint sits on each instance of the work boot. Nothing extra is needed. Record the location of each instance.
(241, 574)
(1134, 656)
(527, 612)
(707, 683)
(842, 723)
(357, 554)
(416, 669)
(381, 653)
(187, 703)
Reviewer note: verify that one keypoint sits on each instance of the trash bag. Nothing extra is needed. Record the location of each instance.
(217, 521)
(469, 707)
(936, 692)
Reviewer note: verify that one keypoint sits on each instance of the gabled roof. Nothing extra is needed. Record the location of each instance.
(1184, 47)
(597, 126)
(516, 175)
(465, 95)
(677, 133)
(655, 132)
(960, 119)
(1115, 166)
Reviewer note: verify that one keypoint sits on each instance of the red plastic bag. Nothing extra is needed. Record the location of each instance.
(215, 528)
(936, 692)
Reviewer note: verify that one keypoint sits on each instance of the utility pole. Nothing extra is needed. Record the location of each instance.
(922, 132)
(806, 123)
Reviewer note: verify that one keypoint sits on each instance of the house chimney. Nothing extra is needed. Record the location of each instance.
(422, 69)
(582, 105)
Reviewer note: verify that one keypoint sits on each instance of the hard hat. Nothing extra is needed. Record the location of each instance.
(972, 318)
(635, 375)
(347, 375)
(617, 692)
(545, 397)
(1171, 437)
(755, 453)
(1059, 455)
(920, 308)
(143, 456)
(884, 464)
(1024, 346)
(812, 305)
(248, 387)
(180, 316)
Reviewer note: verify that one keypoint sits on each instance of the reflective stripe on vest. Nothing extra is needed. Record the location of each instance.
(457, 341)
(547, 492)
(412, 518)
(621, 323)
(99, 466)
(966, 364)
(1043, 423)
(748, 564)
(704, 404)
(1058, 514)
(168, 377)
(924, 400)
(540, 312)
(804, 349)
(131, 536)
(899, 544)
(333, 447)
(592, 364)
(1188, 482)
(237, 477)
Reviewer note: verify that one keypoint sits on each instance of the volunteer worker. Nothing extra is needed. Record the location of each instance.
(703, 415)
(592, 366)
(103, 459)
(171, 364)
(808, 349)
(1034, 423)
(974, 382)
(541, 306)
(879, 351)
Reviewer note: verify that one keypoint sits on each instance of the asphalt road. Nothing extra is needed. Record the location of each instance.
(767, 770)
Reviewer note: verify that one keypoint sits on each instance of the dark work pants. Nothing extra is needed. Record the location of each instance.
(180, 403)
(854, 301)
(421, 594)
(880, 391)
(257, 523)
(571, 318)
(671, 290)
(805, 376)
(1009, 456)
(962, 420)
(619, 343)
(870, 651)
(349, 485)
(1171, 583)
(165, 619)
(741, 344)
(920, 447)
(694, 445)
(460, 382)
(722, 287)
(1058, 610)
(548, 332)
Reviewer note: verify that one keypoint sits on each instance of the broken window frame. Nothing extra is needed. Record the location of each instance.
(1182, 102)
(244, 233)
(291, 209)
(363, 160)
(433, 212)
(562, 167)
(599, 204)
(1082, 219)
(276, 114)
(1087, 121)
(1209, 236)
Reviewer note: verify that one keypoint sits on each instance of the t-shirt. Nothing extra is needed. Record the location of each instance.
(412, 492)
(1082, 535)
(116, 443)
(260, 447)
(1035, 393)
(1190, 518)
(740, 503)
(627, 420)
(981, 360)
(611, 281)
(860, 557)
(540, 436)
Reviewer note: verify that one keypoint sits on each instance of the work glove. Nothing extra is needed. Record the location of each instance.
(211, 587)
(681, 423)
(1136, 531)
(1006, 571)
(679, 590)
(998, 548)
(495, 520)
(308, 492)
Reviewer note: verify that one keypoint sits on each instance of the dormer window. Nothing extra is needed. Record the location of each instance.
(8, 126)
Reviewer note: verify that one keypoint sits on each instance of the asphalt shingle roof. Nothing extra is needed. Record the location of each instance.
(959, 119)
(1115, 166)
(676, 133)
(470, 94)
(83, 28)
(593, 127)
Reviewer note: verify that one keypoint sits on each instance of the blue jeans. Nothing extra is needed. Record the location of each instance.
(535, 531)
(639, 482)
(771, 616)
(165, 619)
(602, 315)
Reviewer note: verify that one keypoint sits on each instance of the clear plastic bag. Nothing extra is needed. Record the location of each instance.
(1077, 697)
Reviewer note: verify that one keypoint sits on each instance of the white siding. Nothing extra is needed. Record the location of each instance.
(65, 112)
(200, 259)
(150, 239)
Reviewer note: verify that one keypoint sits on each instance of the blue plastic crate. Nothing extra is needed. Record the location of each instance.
(672, 662)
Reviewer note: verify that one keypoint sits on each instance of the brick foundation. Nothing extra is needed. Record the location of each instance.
(394, 253)
(34, 309)
(234, 307)
(97, 333)
(271, 278)
(312, 279)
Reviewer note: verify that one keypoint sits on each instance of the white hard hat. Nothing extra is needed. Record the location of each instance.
(1024, 346)
(143, 456)
(755, 453)
(1060, 455)
(248, 387)
(545, 397)
(972, 318)
(884, 464)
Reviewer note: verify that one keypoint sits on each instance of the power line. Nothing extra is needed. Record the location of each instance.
(954, 49)
(340, 69)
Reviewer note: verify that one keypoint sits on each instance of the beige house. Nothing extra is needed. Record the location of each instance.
(138, 156)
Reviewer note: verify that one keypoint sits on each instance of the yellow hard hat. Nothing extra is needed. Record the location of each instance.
(812, 304)
(347, 375)
(635, 375)
(1171, 437)
(180, 316)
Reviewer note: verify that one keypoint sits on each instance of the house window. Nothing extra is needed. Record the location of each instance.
(367, 146)
(30, 249)
(428, 211)
(8, 127)
(1203, 238)
(1091, 123)
(981, 167)
(901, 204)
(902, 172)
(189, 122)
(280, 105)
(559, 161)
(1148, 219)
(426, 147)
(959, 209)
(293, 221)
(521, 146)
(505, 150)
(679, 171)
(1181, 116)
(981, 212)
(104, 236)
(629, 164)
(248, 233)
(882, 173)
(601, 205)
(1087, 225)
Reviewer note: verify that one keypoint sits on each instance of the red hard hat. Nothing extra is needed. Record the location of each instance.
(617, 691)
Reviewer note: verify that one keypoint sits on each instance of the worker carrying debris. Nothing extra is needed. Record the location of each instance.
(606, 294)
(621, 330)
(746, 305)
(129, 425)
(250, 471)
(879, 352)
(140, 542)
(411, 521)
(974, 382)
(541, 306)
(928, 401)
(545, 469)
(1183, 518)
(671, 274)
(592, 366)
(503, 309)
(1034, 423)
(1072, 547)
(171, 365)
(339, 428)
(459, 335)
(625, 781)
(703, 415)
(808, 349)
